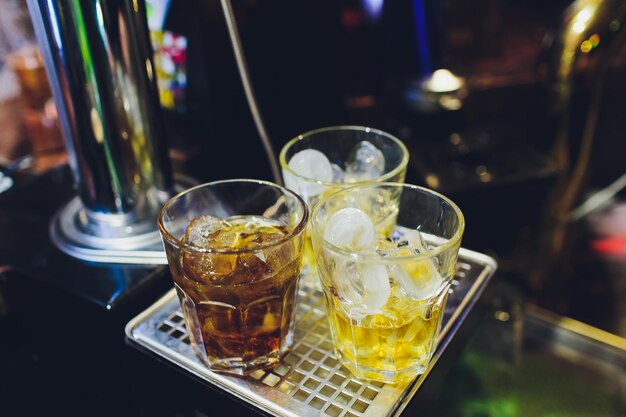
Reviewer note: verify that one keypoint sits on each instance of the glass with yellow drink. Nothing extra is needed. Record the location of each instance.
(385, 271)
(319, 162)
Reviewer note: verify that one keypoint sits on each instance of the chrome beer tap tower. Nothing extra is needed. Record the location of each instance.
(99, 61)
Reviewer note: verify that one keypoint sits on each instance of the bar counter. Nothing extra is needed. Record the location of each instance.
(513, 110)
(63, 340)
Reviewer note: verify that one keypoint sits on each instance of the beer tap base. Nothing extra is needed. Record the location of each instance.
(126, 242)
(109, 238)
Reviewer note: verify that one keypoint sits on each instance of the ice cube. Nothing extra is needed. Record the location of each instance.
(201, 228)
(257, 231)
(420, 279)
(249, 268)
(227, 238)
(208, 266)
(365, 162)
(337, 173)
(352, 229)
(364, 286)
(376, 286)
(311, 164)
(416, 241)
(386, 247)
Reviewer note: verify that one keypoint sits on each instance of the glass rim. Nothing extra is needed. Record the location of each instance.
(449, 243)
(300, 227)
(401, 166)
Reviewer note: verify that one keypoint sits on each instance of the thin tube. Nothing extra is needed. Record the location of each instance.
(247, 86)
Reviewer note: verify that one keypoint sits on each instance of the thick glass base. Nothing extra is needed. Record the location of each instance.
(237, 366)
(381, 375)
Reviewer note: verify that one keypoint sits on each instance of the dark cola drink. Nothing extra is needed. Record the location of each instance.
(237, 280)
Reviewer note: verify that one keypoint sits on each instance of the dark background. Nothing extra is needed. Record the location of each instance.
(313, 64)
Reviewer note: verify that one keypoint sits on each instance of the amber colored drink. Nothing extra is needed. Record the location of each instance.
(386, 256)
(239, 306)
(401, 337)
(234, 248)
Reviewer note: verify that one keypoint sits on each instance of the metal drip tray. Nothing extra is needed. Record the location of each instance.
(310, 381)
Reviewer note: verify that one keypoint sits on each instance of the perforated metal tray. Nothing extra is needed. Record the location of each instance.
(310, 381)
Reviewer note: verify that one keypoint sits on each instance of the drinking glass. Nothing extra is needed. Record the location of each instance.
(354, 155)
(385, 271)
(234, 249)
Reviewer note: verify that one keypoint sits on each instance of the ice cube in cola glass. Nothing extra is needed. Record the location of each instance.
(235, 253)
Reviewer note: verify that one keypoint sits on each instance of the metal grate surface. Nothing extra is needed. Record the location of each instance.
(309, 381)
